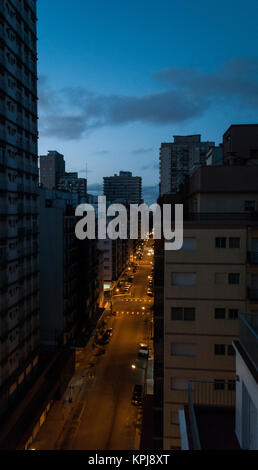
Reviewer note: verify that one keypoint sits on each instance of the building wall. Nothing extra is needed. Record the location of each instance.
(52, 168)
(123, 189)
(189, 345)
(51, 274)
(234, 203)
(240, 143)
(180, 159)
(18, 200)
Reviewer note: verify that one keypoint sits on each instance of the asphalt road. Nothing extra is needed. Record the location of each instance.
(100, 416)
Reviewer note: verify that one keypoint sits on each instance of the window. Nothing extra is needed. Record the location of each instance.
(249, 205)
(233, 314)
(231, 350)
(234, 278)
(220, 242)
(234, 242)
(219, 384)
(189, 314)
(220, 313)
(183, 279)
(189, 244)
(180, 314)
(219, 349)
(177, 314)
(183, 349)
(178, 384)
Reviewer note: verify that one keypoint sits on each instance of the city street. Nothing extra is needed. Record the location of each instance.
(99, 414)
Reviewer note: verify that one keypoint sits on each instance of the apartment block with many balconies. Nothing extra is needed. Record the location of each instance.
(206, 284)
(19, 327)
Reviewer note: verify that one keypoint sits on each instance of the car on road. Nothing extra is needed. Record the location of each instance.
(149, 293)
(126, 288)
(109, 332)
(105, 338)
(143, 350)
(137, 396)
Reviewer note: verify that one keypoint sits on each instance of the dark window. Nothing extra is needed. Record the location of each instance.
(176, 314)
(233, 314)
(220, 313)
(219, 349)
(231, 351)
(219, 384)
(231, 385)
(249, 205)
(220, 242)
(234, 278)
(234, 242)
(189, 314)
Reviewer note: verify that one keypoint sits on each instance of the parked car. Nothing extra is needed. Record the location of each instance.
(109, 332)
(137, 396)
(143, 350)
(104, 340)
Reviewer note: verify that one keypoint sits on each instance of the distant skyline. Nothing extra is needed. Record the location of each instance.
(118, 78)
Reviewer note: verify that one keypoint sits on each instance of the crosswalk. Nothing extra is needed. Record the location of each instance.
(136, 313)
(139, 300)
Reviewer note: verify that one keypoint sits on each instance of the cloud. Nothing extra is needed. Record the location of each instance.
(71, 113)
(102, 152)
(141, 151)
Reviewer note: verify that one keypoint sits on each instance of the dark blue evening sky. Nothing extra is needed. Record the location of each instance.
(119, 77)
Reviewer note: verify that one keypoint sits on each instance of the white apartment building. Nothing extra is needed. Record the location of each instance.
(18, 198)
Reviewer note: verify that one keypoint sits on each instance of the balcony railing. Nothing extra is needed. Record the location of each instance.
(248, 335)
(208, 394)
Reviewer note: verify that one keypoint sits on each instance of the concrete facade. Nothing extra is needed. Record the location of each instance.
(19, 327)
(180, 159)
(52, 169)
(123, 188)
(207, 283)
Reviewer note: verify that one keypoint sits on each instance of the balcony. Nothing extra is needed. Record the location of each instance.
(248, 335)
(210, 415)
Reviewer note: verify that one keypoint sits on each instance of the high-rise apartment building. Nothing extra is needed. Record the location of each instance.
(206, 284)
(123, 188)
(19, 319)
(52, 169)
(179, 159)
(70, 182)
